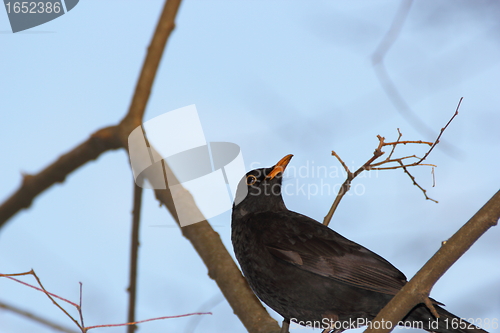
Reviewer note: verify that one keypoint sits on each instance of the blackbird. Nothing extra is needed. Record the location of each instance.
(310, 274)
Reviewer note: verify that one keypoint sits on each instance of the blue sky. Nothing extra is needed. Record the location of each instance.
(274, 77)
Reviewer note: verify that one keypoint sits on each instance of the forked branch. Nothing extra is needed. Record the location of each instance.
(78, 322)
(390, 163)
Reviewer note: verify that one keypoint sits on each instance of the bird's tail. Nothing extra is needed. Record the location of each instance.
(446, 323)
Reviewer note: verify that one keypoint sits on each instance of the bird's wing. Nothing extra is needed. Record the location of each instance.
(311, 246)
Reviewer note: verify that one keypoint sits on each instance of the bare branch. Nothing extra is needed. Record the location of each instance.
(78, 307)
(395, 145)
(146, 320)
(415, 182)
(407, 142)
(403, 165)
(370, 165)
(36, 318)
(442, 130)
(342, 163)
(51, 296)
(164, 28)
(350, 176)
(417, 289)
(221, 267)
(134, 249)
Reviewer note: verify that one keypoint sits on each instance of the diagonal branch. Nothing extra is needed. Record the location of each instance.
(220, 264)
(417, 289)
(164, 28)
(442, 131)
(204, 239)
(51, 296)
(370, 165)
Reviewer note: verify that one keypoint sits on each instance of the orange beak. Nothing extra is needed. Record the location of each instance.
(279, 167)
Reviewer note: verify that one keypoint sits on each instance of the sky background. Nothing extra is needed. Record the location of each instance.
(276, 78)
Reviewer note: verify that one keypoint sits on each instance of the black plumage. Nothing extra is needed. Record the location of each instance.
(307, 272)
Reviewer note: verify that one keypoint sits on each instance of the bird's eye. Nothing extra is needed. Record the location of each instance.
(251, 179)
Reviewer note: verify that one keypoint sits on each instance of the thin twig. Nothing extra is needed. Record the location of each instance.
(350, 176)
(10, 276)
(430, 306)
(370, 165)
(208, 305)
(151, 319)
(395, 145)
(134, 249)
(51, 296)
(342, 191)
(406, 165)
(55, 303)
(341, 162)
(407, 142)
(36, 318)
(415, 182)
(389, 160)
(78, 307)
(442, 130)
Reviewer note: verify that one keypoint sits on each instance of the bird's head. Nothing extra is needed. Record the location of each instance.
(260, 189)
